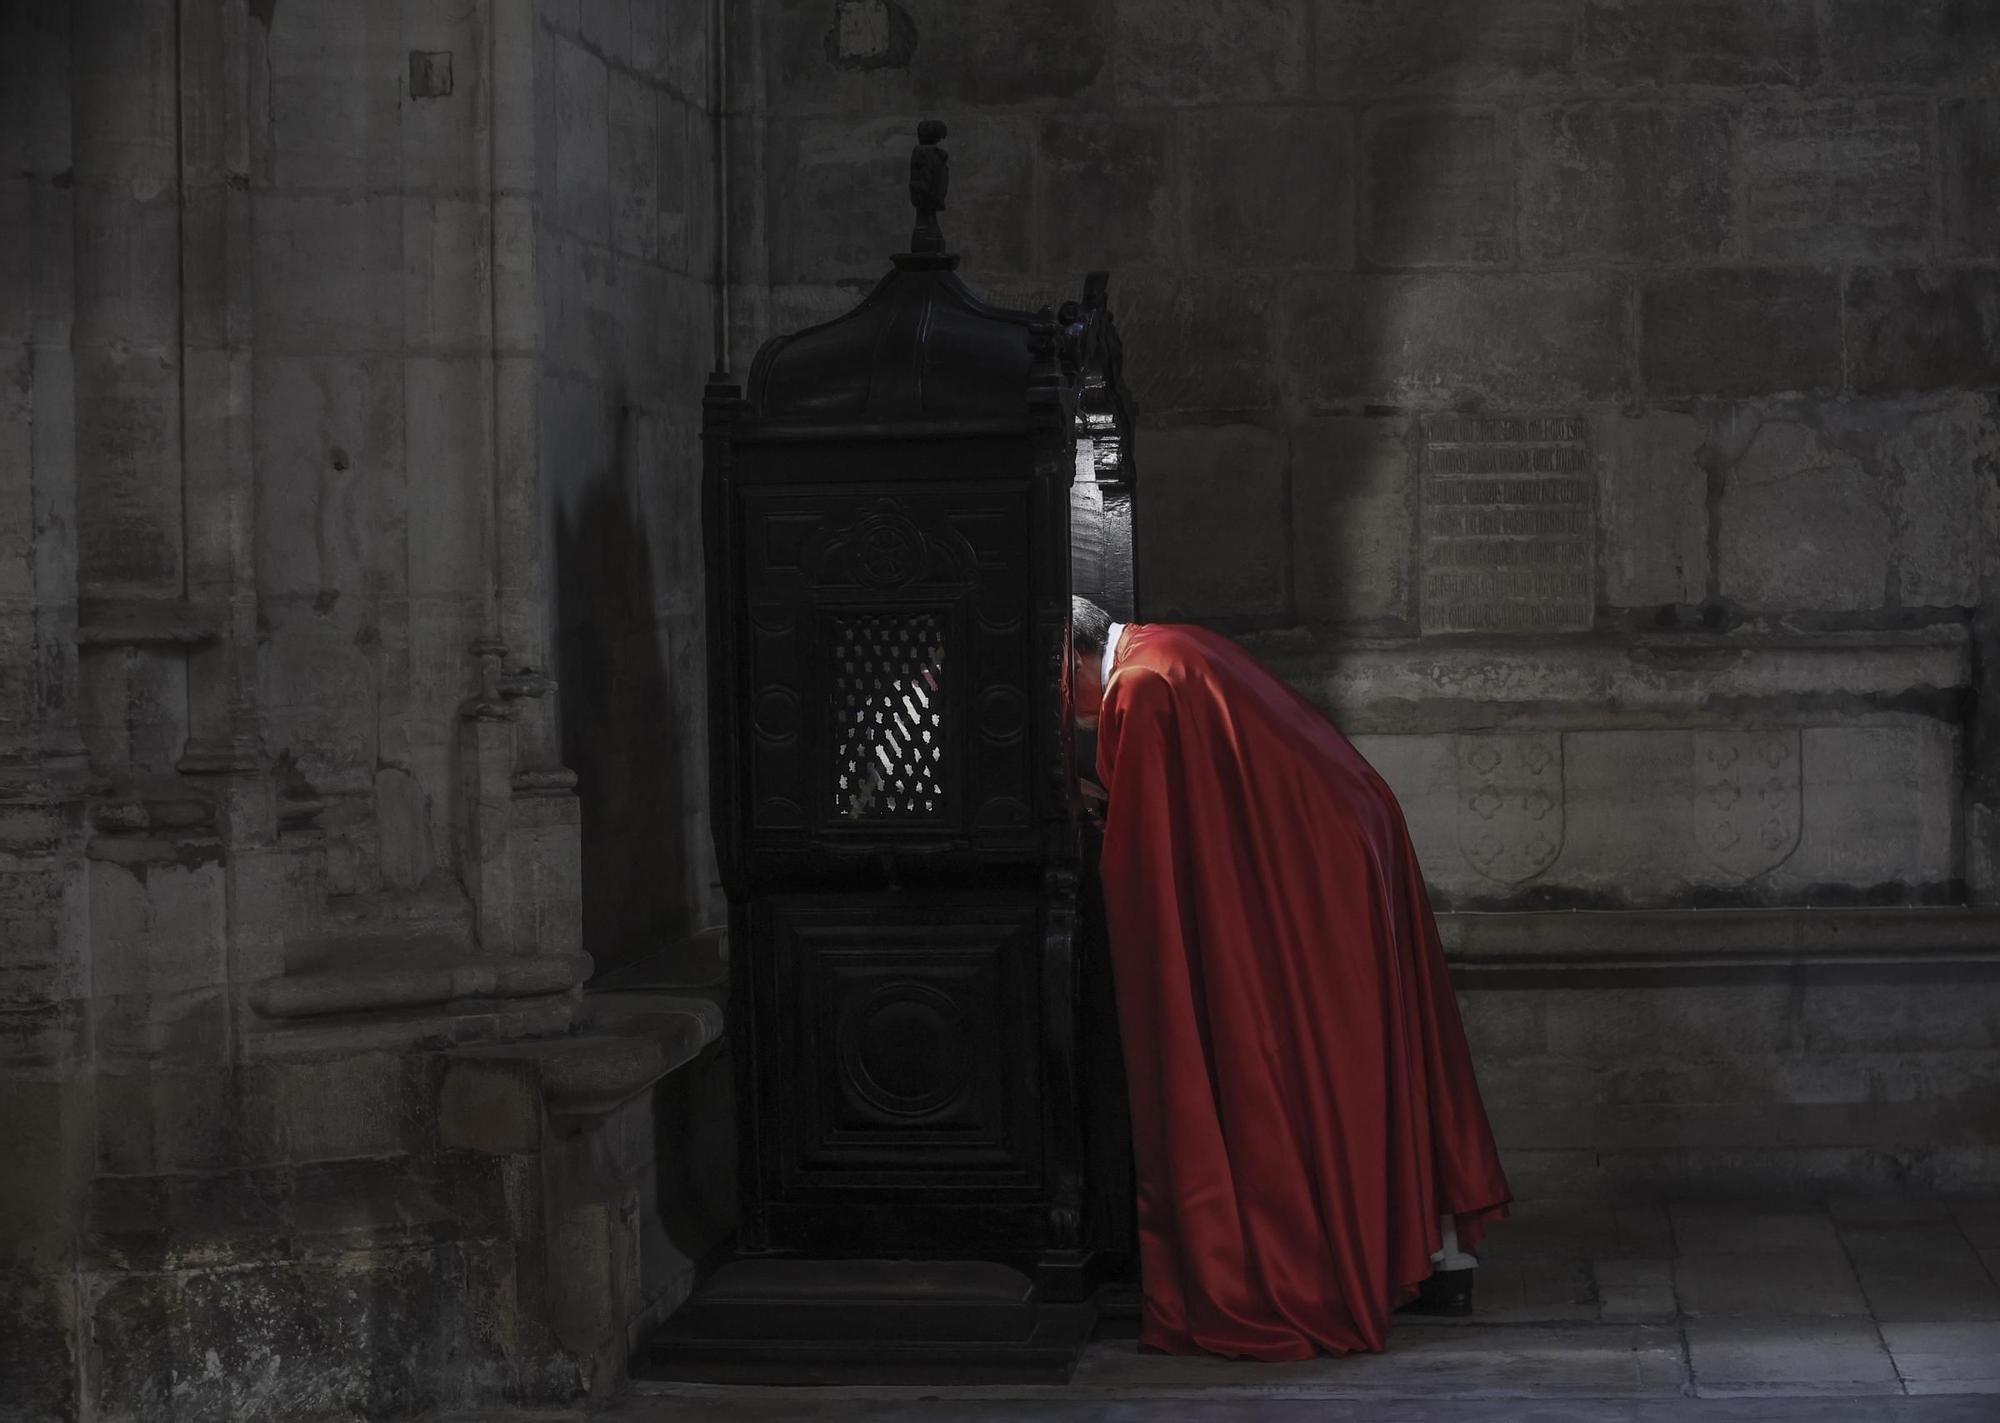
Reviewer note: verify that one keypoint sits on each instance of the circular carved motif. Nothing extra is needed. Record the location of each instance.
(903, 1050)
(887, 550)
(1003, 712)
(776, 714)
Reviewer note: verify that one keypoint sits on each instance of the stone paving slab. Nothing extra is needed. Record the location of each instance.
(1946, 1358)
(1803, 1283)
(1734, 1357)
(1703, 1228)
(1487, 1361)
(1922, 1273)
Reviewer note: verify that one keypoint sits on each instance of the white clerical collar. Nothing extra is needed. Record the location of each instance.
(1111, 647)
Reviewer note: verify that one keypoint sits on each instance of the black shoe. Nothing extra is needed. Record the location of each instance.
(1446, 1292)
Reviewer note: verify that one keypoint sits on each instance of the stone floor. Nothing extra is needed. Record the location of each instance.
(1843, 1311)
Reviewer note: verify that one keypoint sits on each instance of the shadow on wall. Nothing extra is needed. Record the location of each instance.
(617, 708)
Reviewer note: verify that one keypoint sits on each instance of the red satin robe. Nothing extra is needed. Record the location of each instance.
(1303, 1101)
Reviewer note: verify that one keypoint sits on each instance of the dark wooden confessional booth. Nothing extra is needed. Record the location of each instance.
(935, 1160)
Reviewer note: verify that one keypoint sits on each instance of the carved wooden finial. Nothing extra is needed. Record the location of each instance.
(929, 176)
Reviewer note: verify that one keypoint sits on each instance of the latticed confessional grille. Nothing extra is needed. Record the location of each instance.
(889, 730)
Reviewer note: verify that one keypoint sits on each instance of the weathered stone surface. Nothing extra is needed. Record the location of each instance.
(1946, 1358)
(1353, 517)
(1878, 809)
(127, 414)
(1837, 179)
(1802, 524)
(1268, 187)
(1769, 1284)
(1517, 340)
(1923, 328)
(1579, 197)
(581, 155)
(1943, 457)
(1192, 54)
(1462, 46)
(326, 271)
(1642, 42)
(633, 165)
(887, 55)
(36, 1310)
(1438, 188)
(1106, 192)
(1199, 343)
(1653, 509)
(851, 177)
(1942, 42)
(334, 94)
(1922, 1273)
(1970, 157)
(1220, 544)
(1629, 814)
(1739, 332)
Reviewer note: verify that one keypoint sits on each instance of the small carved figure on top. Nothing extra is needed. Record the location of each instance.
(929, 176)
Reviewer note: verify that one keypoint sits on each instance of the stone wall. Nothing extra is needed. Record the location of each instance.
(1591, 401)
(626, 161)
(290, 348)
(1592, 404)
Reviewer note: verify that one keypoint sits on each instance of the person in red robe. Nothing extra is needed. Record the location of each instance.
(1306, 1126)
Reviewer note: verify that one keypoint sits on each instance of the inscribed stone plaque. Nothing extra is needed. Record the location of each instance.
(1507, 524)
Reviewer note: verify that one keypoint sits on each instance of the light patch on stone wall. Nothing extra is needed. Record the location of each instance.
(1507, 524)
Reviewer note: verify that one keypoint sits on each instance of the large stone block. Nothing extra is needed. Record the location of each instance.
(372, 1104)
(1106, 193)
(447, 274)
(128, 428)
(1922, 42)
(1971, 160)
(334, 91)
(1268, 187)
(1941, 457)
(1438, 187)
(1514, 339)
(35, 106)
(634, 165)
(1922, 329)
(1582, 197)
(841, 204)
(157, 928)
(1625, 43)
(328, 445)
(1739, 332)
(1214, 543)
(1880, 809)
(1195, 53)
(329, 271)
(1802, 523)
(884, 55)
(448, 424)
(447, 138)
(1628, 815)
(1458, 47)
(1653, 509)
(128, 265)
(1198, 343)
(37, 1317)
(123, 103)
(679, 134)
(1353, 520)
(1823, 181)
(581, 192)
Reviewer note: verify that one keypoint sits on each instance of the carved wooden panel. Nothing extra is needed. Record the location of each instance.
(888, 664)
(907, 1043)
